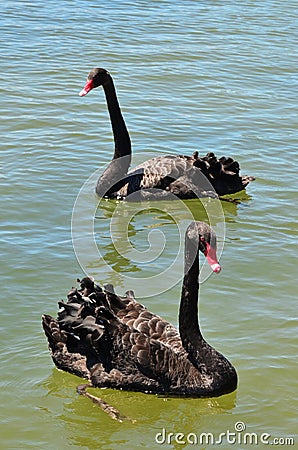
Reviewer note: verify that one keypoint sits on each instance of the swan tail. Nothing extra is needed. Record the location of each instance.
(55, 336)
(246, 179)
(62, 347)
(223, 173)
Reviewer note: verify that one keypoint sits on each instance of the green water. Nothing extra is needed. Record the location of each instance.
(212, 76)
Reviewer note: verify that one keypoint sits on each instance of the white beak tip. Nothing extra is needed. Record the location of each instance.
(216, 267)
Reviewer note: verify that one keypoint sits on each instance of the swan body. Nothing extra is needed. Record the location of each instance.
(116, 342)
(161, 177)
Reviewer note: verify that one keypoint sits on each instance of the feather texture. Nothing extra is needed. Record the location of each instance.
(117, 342)
(161, 177)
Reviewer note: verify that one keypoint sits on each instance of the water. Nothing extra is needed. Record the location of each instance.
(190, 75)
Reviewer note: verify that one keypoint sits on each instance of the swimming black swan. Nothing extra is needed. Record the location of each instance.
(116, 342)
(170, 174)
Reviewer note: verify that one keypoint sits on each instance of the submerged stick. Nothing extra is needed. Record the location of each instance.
(109, 409)
(230, 200)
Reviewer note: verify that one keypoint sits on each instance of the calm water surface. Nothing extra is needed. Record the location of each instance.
(208, 76)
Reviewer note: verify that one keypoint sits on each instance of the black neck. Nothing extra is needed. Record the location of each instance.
(121, 136)
(204, 357)
(189, 328)
(114, 177)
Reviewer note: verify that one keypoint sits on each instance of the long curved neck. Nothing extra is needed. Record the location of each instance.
(205, 358)
(113, 178)
(200, 353)
(121, 136)
(189, 327)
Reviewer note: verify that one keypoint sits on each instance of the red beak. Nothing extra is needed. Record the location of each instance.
(88, 86)
(211, 257)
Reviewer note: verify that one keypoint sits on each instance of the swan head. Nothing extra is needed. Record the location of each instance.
(203, 238)
(96, 77)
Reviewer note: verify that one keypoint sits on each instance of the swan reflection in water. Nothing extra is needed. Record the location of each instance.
(80, 422)
(137, 241)
(121, 228)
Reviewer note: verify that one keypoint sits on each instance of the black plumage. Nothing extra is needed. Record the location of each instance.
(162, 177)
(116, 342)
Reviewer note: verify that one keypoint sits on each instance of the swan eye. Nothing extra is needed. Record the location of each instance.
(203, 246)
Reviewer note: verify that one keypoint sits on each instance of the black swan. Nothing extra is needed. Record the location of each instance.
(178, 175)
(116, 342)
